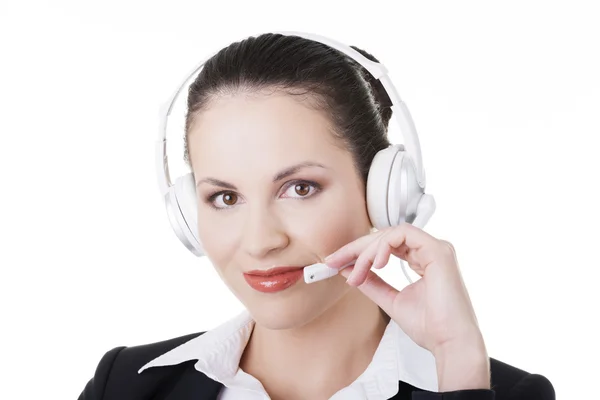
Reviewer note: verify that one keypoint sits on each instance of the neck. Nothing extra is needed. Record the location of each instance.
(338, 345)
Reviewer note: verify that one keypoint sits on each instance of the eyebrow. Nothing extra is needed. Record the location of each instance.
(278, 176)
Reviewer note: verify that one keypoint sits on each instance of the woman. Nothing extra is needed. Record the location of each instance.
(281, 132)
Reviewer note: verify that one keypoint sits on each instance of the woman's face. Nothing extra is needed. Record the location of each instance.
(255, 213)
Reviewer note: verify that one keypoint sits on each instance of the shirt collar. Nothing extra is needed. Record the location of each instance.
(397, 357)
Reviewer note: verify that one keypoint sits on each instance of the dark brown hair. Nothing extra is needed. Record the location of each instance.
(355, 103)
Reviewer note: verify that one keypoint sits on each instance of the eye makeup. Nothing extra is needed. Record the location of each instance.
(210, 198)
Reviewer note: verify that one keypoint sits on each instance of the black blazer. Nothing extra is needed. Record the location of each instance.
(117, 378)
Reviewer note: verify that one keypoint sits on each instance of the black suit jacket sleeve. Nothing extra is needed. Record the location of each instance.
(511, 384)
(94, 390)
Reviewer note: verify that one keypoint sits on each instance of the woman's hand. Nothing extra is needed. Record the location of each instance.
(435, 311)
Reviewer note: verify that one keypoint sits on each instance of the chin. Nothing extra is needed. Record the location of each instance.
(294, 309)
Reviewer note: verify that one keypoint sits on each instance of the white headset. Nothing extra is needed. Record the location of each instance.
(395, 183)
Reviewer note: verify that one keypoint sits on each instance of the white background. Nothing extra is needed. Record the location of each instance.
(505, 97)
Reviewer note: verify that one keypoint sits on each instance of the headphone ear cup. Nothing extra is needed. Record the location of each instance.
(393, 192)
(183, 213)
(404, 192)
(377, 186)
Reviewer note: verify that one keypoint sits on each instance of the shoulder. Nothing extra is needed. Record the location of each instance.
(507, 383)
(120, 366)
(510, 382)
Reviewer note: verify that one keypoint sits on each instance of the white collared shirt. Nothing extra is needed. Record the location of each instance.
(219, 351)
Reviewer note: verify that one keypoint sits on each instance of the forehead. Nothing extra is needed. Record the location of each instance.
(260, 130)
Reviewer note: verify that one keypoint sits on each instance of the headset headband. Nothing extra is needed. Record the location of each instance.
(399, 111)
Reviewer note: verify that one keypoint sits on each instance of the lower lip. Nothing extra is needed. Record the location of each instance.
(274, 283)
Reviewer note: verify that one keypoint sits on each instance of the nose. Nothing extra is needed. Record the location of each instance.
(263, 233)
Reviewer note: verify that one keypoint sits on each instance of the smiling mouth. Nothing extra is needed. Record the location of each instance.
(275, 279)
(274, 271)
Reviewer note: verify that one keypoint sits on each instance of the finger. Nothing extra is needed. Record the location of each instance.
(381, 292)
(384, 251)
(364, 262)
(400, 241)
(414, 238)
(375, 256)
(351, 251)
(414, 245)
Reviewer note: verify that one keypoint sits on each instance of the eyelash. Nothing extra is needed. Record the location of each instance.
(211, 198)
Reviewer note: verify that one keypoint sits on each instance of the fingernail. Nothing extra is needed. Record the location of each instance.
(328, 257)
(375, 260)
(348, 275)
(345, 273)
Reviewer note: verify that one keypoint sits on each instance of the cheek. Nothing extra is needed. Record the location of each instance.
(217, 236)
(332, 224)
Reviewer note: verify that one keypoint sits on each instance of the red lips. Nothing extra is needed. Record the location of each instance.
(273, 271)
(274, 279)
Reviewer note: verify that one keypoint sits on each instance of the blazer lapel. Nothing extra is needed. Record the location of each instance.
(194, 385)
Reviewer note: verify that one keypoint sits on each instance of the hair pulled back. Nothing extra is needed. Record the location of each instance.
(355, 103)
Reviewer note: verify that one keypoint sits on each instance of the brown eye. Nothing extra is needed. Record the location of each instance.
(223, 200)
(302, 189)
(229, 198)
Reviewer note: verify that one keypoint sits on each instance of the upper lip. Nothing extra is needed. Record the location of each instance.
(273, 271)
